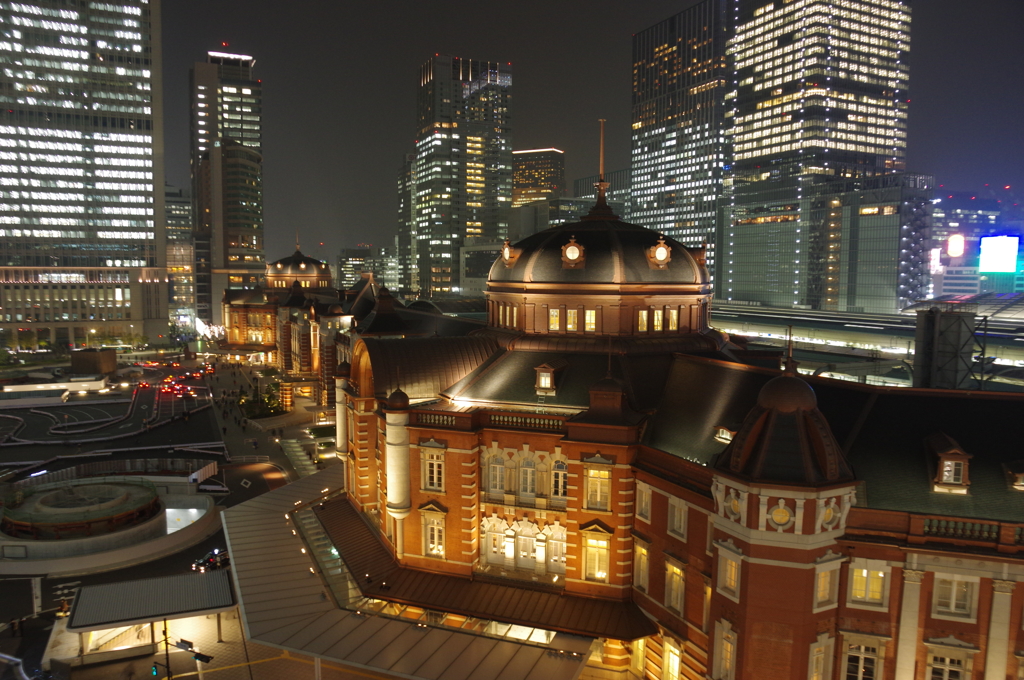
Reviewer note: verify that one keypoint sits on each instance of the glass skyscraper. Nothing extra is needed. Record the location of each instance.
(181, 257)
(680, 76)
(227, 178)
(820, 214)
(81, 176)
(537, 174)
(463, 166)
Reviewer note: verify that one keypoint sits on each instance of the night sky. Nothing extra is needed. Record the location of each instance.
(339, 86)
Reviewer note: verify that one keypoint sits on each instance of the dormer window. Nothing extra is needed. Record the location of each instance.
(546, 376)
(1015, 472)
(723, 434)
(952, 475)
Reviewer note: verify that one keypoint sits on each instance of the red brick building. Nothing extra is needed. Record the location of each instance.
(599, 443)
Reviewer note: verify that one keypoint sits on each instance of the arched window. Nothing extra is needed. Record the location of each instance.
(559, 480)
(528, 477)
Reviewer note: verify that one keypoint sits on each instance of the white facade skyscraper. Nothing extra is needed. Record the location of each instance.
(821, 214)
(81, 172)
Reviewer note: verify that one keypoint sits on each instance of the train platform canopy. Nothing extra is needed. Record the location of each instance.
(1002, 306)
(283, 604)
(124, 603)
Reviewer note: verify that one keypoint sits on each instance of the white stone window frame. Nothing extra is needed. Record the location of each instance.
(876, 642)
(597, 536)
(720, 669)
(670, 670)
(671, 593)
(644, 495)
(677, 508)
(822, 648)
(429, 455)
(829, 564)
(433, 523)
(588, 481)
(870, 565)
(641, 564)
(971, 616)
(951, 648)
(728, 552)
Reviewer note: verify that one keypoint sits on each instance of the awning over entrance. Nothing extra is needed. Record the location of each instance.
(152, 599)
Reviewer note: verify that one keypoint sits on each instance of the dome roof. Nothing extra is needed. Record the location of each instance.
(787, 394)
(785, 439)
(296, 264)
(398, 401)
(601, 250)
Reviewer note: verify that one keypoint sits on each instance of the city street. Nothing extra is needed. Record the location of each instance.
(244, 480)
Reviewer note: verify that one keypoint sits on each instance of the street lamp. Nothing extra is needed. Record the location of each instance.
(93, 332)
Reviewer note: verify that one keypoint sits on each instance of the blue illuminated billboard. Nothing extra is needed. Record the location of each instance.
(998, 254)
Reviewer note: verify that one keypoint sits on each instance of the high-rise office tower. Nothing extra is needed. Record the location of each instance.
(537, 174)
(181, 257)
(463, 167)
(680, 76)
(227, 178)
(405, 241)
(81, 172)
(820, 214)
(617, 192)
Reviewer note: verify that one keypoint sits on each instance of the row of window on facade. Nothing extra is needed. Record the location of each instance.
(649, 320)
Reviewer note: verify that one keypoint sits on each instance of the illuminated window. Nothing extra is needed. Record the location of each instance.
(598, 488)
(725, 651)
(729, 575)
(590, 320)
(675, 587)
(952, 472)
(671, 661)
(673, 319)
(641, 323)
(597, 549)
(544, 380)
(657, 319)
(570, 319)
(554, 319)
(435, 538)
(868, 582)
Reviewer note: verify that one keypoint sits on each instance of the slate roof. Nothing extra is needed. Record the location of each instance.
(882, 431)
(614, 252)
(423, 367)
(168, 597)
(363, 553)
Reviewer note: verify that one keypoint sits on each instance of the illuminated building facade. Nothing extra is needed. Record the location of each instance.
(817, 113)
(181, 256)
(680, 77)
(227, 177)
(618, 192)
(598, 462)
(407, 234)
(537, 174)
(81, 220)
(463, 168)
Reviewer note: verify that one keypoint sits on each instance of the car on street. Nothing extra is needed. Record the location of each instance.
(211, 561)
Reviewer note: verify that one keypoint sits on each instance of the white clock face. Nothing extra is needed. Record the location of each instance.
(661, 253)
(506, 252)
(572, 252)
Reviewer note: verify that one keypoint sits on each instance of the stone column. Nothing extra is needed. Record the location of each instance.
(341, 416)
(399, 502)
(906, 644)
(999, 631)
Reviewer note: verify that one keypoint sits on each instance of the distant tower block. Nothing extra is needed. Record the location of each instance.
(945, 345)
